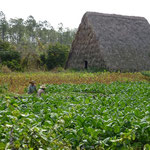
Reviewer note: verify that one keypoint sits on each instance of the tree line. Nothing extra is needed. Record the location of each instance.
(38, 44)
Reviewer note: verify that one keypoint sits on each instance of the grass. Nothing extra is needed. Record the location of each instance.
(17, 82)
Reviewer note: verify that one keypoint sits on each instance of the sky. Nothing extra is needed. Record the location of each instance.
(70, 12)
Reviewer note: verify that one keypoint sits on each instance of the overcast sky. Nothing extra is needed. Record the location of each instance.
(70, 12)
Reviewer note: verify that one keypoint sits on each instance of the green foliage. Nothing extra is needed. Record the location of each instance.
(9, 57)
(13, 65)
(94, 116)
(57, 55)
(92, 70)
(146, 73)
(5, 46)
(3, 26)
(28, 32)
(3, 88)
(32, 37)
(43, 59)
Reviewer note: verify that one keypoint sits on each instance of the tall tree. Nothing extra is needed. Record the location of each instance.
(60, 33)
(17, 30)
(31, 26)
(33, 38)
(68, 36)
(3, 25)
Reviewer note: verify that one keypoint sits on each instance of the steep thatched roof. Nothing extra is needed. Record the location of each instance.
(113, 42)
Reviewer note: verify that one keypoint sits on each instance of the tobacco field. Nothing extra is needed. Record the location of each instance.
(16, 82)
(78, 116)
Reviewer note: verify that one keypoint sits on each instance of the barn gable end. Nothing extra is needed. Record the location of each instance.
(113, 42)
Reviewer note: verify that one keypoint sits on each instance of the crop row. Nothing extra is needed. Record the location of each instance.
(86, 116)
(17, 82)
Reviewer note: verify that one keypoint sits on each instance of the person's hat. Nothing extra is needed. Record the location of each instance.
(43, 87)
(32, 81)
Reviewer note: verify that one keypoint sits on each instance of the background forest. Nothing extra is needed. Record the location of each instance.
(27, 45)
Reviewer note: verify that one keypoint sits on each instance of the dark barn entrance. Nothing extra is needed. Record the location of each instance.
(86, 65)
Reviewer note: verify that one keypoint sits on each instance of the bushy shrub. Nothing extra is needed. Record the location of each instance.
(13, 65)
(56, 56)
(5, 46)
(9, 57)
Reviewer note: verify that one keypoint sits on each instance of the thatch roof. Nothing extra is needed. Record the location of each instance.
(113, 42)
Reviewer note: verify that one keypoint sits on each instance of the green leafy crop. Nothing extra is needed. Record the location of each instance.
(85, 116)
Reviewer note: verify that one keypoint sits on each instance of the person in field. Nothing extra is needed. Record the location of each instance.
(41, 90)
(32, 87)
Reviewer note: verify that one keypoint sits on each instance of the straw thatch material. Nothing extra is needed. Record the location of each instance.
(112, 42)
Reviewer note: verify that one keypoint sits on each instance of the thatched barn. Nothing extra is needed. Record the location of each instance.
(112, 42)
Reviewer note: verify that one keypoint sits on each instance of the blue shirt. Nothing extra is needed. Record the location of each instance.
(31, 89)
